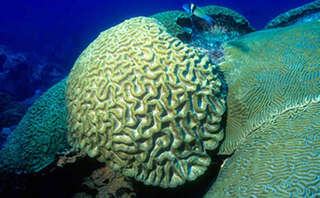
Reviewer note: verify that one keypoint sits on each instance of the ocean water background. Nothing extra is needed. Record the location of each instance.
(60, 30)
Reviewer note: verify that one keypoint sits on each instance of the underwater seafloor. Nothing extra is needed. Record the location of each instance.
(169, 105)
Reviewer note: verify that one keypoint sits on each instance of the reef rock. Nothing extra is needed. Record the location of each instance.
(11, 110)
(305, 13)
(23, 73)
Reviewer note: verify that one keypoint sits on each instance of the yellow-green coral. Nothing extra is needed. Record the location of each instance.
(39, 136)
(145, 103)
(273, 115)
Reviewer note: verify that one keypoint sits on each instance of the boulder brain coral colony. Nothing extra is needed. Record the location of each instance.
(39, 136)
(145, 103)
(273, 116)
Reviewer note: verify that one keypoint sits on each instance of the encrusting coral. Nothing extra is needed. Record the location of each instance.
(273, 115)
(145, 103)
(39, 136)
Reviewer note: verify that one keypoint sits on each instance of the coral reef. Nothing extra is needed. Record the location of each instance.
(69, 157)
(108, 183)
(24, 73)
(305, 13)
(4, 133)
(145, 103)
(102, 181)
(228, 18)
(11, 110)
(228, 25)
(275, 72)
(272, 121)
(72, 174)
(169, 20)
(39, 136)
(280, 159)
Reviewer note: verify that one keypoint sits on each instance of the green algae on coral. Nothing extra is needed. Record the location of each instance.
(39, 136)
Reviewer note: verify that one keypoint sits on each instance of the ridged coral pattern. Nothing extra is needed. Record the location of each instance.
(273, 121)
(281, 159)
(40, 136)
(268, 72)
(144, 102)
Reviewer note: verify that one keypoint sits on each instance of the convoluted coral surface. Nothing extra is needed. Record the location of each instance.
(268, 72)
(273, 116)
(145, 103)
(280, 159)
(39, 136)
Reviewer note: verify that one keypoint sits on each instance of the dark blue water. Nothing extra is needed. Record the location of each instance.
(61, 29)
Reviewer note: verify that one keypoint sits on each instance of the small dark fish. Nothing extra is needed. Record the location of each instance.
(197, 11)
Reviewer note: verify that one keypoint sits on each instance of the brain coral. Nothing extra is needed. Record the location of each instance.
(273, 115)
(281, 159)
(39, 136)
(145, 103)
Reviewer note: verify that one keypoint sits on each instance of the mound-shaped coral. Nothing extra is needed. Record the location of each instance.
(184, 25)
(145, 103)
(273, 114)
(169, 20)
(227, 25)
(278, 69)
(231, 19)
(39, 136)
(306, 13)
(280, 159)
